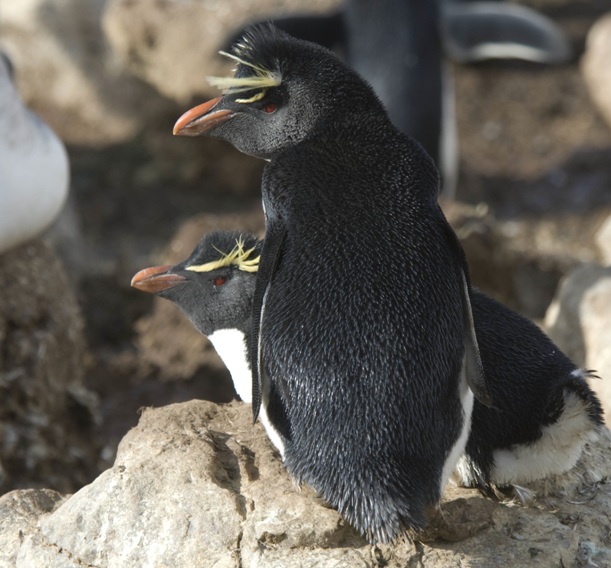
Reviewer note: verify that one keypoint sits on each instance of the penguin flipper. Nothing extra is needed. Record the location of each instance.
(473, 361)
(475, 31)
(272, 247)
(474, 368)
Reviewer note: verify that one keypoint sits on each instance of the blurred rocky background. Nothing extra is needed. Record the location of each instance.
(81, 352)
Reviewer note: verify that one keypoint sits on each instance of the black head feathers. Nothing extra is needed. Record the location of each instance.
(283, 90)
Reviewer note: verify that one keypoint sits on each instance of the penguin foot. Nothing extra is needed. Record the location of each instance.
(377, 556)
(505, 493)
(525, 495)
(452, 525)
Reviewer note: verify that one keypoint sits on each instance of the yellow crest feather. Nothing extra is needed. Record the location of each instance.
(261, 80)
(237, 257)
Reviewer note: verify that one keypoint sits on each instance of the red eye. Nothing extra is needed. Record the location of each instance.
(219, 280)
(270, 107)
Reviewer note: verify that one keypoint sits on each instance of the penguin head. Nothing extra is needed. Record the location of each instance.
(214, 286)
(283, 91)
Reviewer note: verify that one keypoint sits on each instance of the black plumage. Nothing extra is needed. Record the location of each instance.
(361, 310)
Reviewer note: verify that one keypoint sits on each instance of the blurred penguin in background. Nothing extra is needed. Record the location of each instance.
(34, 168)
(400, 48)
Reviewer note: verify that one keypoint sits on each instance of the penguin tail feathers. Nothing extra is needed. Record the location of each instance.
(577, 385)
(383, 520)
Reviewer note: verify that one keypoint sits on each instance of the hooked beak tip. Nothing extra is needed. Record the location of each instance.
(156, 279)
(201, 119)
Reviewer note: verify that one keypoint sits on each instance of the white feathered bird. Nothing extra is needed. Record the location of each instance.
(34, 169)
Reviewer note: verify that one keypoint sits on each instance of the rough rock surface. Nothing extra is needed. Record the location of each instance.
(19, 513)
(150, 37)
(595, 65)
(502, 260)
(579, 321)
(45, 413)
(195, 484)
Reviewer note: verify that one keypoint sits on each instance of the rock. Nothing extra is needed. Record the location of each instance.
(579, 321)
(66, 72)
(152, 37)
(195, 484)
(46, 419)
(603, 241)
(595, 65)
(502, 264)
(20, 512)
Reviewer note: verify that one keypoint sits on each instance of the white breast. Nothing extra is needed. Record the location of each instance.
(230, 344)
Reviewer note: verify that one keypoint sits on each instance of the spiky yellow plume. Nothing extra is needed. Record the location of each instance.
(237, 257)
(262, 80)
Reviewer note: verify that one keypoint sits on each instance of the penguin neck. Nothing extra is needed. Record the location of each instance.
(232, 347)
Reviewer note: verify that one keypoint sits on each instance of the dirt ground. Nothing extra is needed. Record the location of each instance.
(532, 148)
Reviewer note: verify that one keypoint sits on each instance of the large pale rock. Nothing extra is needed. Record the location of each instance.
(595, 65)
(20, 512)
(195, 484)
(66, 72)
(46, 422)
(579, 321)
(174, 45)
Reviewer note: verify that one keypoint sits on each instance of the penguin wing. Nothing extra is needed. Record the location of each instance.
(474, 368)
(473, 361)
(272, 247)
(474, 31)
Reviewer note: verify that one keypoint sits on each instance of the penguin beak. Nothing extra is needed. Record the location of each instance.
(201, 119)
(156, 279)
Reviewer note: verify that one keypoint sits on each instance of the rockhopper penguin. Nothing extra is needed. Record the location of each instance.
(545, 412)
(214, 288)
(361, 313)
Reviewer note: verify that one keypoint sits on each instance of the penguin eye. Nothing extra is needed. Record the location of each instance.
(270, 108)
(219, 280)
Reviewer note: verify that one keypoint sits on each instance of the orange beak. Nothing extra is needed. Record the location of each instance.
(156, 279)
(201, 119)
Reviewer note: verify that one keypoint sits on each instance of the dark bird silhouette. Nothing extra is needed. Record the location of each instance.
(361, 313)
(545, 411)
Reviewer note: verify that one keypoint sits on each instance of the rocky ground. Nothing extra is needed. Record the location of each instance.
(534, 192)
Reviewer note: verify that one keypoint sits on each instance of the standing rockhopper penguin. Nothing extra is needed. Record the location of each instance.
(361, 314)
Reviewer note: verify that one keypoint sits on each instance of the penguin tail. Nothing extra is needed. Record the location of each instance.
(577, 386)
